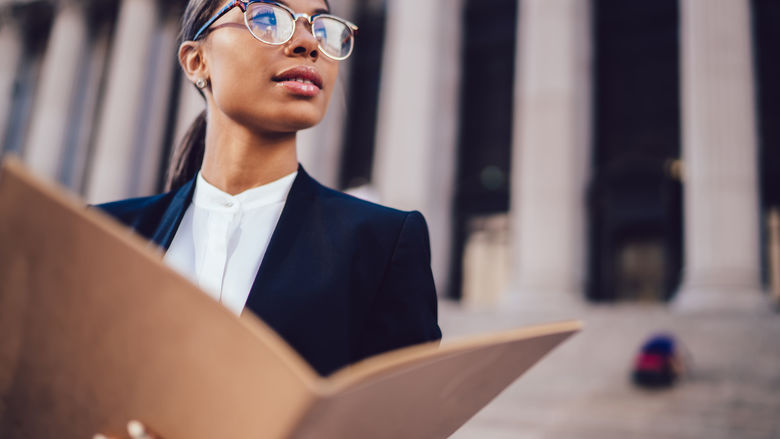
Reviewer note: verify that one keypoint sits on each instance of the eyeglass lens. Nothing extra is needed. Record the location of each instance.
(274, 25)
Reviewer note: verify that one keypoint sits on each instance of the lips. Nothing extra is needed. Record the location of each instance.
(301, 75)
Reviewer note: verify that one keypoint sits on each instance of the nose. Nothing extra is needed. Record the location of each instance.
(303, 43)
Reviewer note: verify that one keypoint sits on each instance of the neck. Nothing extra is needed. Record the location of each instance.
(237, 158)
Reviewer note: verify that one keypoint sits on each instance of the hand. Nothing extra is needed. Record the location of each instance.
(135, 430)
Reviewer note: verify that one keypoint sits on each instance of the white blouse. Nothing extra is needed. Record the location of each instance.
(222, 238)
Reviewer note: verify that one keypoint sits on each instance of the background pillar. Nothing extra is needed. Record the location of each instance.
(159, 89)
(54, 102)
(415, 156)
(551, 151)
(11, 49)
(722, 265)
(319, 147)
(111, 173)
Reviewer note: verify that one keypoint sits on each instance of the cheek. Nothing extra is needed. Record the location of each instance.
(234, 76)
(239, 85)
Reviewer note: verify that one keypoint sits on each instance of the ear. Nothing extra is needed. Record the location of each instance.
(193, 61)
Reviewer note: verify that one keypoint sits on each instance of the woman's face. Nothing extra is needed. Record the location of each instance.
(261, 86)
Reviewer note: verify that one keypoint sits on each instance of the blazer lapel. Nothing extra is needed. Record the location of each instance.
(292, 220)
(172, 216)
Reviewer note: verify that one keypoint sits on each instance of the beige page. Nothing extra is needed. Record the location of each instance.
(95, 330)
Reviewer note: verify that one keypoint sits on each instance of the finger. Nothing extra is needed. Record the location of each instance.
(103, 436)
(138, 430)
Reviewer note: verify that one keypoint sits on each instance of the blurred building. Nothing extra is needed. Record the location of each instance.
(561, 150)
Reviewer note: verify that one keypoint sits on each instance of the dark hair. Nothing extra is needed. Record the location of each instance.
(187, 157)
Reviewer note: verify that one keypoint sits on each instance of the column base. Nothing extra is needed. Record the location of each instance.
(543, 305)
(720, 299)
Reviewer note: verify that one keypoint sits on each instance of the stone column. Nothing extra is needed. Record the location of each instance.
(155, 120)
(551, 152)
(78, 144)
(63, 62)
(11, 50)
(319, 148)
(111, 173)
(415, 156)
(722, 264)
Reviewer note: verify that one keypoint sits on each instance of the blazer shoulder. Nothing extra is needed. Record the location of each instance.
(374, 222)
(142, 214)
(129, 209)
(360, 208)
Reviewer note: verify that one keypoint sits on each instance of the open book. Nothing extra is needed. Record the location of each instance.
(95, 330)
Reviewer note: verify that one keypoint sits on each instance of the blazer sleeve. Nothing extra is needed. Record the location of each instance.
(404, 311)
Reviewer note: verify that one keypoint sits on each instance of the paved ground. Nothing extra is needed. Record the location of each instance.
(582, 389)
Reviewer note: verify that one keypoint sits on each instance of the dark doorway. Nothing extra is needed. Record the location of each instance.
(766, 17)
(34, 20)
(359, 138)
(635, 200)
(485, 137)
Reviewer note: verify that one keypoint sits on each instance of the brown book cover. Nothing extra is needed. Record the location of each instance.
(96, 330)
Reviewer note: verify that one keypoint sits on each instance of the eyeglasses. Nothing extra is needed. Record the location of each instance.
(274, 23)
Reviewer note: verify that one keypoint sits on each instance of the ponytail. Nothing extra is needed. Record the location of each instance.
(188, 156)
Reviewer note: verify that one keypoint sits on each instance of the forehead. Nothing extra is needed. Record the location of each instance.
(306, 6)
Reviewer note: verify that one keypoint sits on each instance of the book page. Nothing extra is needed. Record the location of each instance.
(96, 331)
(427, 391)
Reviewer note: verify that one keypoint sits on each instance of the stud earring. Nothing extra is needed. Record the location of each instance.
(201, 83)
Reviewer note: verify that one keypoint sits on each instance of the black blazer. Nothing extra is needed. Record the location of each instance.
(342, 279)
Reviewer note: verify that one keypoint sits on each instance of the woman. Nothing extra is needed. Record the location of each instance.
(340, 279)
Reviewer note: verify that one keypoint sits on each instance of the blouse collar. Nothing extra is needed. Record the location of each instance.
(210, 197)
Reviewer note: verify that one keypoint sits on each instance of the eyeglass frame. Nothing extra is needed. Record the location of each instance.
(244, 4)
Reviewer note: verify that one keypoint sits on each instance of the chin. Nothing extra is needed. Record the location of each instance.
(280, 122)
(277, 115)
(301, 121)
(295, 119)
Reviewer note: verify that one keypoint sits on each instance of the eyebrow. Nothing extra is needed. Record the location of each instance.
(316, 11)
